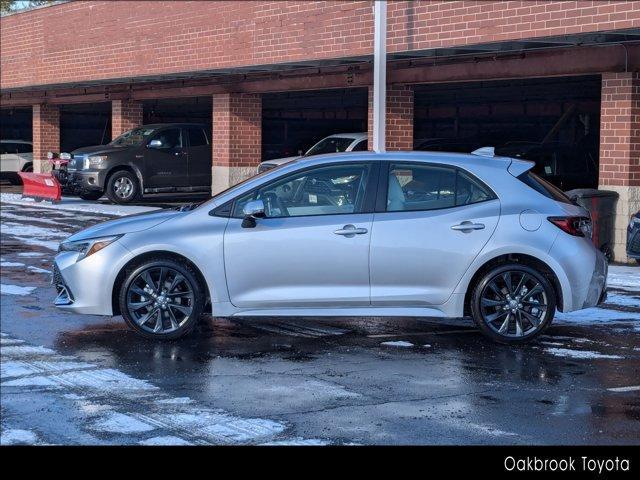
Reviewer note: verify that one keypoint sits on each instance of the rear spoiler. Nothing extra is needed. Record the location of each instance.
(517, 166)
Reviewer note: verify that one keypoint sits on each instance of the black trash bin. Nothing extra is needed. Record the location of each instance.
(602, 207)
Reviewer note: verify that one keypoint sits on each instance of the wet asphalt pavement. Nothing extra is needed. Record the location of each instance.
(72, 379)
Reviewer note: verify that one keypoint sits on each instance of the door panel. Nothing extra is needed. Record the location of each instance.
(418, 259)
(199, 158)
(298, 262)
(312, 247)
(167, 166)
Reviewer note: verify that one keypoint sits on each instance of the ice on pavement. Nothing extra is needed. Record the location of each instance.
(566, 352)
(11, 264)
(115, 422)
(164, 441)
(624, 276)
(17, 436)
(15, 290)
(76, 204)
(399, 343)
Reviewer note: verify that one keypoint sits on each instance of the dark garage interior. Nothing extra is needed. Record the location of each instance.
(553, 121)
(16, 124)
(176, 110)
(292, 122)
(82, 125)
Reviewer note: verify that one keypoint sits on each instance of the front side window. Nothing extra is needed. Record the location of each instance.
(170, 138)
(430, 187)
(361, 146)
(330, 190)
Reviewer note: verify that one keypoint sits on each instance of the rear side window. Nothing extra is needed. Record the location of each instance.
(361, 147)
(197, 137)
(540, 185)
(429, 187)
(24, 148)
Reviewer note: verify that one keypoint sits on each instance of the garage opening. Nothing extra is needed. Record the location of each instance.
(293, 122)
(553, 121)
(16, 124)
(84, 125)
(178, 110)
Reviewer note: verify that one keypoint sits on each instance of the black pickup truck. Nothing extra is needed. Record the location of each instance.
(155, 158)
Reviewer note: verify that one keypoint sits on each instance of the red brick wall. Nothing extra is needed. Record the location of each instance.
(620, 129)
(78, 41)
(399, 118)
(125, 115)
(46, 135)
(237, 130)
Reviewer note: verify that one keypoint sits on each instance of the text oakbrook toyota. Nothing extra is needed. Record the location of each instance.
(351, 234)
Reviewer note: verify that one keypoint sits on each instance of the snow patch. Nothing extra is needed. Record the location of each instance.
(38, 269)
(31, 254)
(77, 205)
(565, 352)
(298, 442)
(16, 436)
(11, 264)
(15, 289)
(167, 440)
(633, 388)
(399, 343)
(593, 316)
(624, 276)
(116, 422)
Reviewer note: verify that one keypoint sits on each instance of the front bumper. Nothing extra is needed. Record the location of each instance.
(86, 180)
(86, 286)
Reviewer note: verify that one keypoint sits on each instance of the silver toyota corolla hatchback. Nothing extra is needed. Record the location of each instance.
(353, 234)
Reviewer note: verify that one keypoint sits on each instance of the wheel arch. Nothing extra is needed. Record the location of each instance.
(26, 165)
(124, 167)
(523, 259)
(138, 259)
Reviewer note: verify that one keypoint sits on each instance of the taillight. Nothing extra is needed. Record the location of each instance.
(576, 226)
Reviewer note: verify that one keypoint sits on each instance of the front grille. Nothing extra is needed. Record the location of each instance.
(76, 162)
(64, 297)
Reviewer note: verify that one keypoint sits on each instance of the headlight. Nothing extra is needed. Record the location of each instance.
(94, 161)
(87, 247)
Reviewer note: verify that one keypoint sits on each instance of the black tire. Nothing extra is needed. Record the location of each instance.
(487, 303)
(115, 191)
(91, 195)
(133, 316)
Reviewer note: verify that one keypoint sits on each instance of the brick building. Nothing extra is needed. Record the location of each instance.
(258, 69)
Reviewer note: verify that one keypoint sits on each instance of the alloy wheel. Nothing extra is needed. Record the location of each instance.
(160, 300)
(123, 187)
(514, 304)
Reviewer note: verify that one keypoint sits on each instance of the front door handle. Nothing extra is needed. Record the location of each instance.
(468, 226)
(350, 230)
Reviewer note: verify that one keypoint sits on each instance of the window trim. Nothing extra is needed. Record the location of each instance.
(368, 205)
(383, 186)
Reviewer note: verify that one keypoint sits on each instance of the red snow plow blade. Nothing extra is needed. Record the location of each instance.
(41, 186)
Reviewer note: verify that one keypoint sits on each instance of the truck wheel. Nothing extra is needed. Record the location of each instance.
(123, 187)
(513, 303)
(93, 195)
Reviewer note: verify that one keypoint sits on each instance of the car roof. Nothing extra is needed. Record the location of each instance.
(355, 136)
(16, 141)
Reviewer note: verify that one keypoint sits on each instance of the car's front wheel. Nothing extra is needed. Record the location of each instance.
(162, 299)
(513, 303)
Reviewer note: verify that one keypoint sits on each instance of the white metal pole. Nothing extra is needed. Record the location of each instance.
(379, 74)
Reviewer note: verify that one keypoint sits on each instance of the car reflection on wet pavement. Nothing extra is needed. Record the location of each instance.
(70, 379)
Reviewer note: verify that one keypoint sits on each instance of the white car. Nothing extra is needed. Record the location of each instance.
(340, 142)
(15, 156)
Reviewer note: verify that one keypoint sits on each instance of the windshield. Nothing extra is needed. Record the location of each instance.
(133, 138)
(330, 145)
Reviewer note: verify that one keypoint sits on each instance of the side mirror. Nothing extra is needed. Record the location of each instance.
(155, 144)
(252, 210)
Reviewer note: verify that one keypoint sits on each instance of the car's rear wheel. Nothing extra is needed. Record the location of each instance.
(123, 187)
(91, 195)
(513, 303)
(162, 299)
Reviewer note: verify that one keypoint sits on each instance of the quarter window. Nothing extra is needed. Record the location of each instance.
(197, 137)
(430, 187)
(332, 190)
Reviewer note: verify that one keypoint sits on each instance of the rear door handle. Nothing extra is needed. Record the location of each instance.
(468, 226)
(350, 231)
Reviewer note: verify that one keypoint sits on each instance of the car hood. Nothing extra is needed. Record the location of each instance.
(98, 149)
(129, 224)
